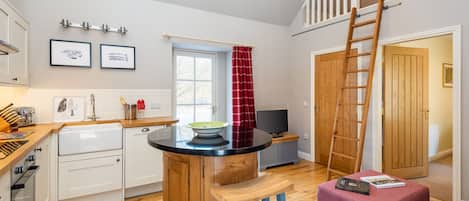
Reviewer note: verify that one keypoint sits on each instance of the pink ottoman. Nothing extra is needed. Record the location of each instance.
(411, 192)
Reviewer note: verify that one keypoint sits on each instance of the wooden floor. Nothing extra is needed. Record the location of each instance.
(305, 175)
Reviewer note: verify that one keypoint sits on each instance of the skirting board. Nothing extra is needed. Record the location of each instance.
(441, 154)
(305, 156)
(143, 190)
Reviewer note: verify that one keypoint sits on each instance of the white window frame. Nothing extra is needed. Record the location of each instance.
(195, 53)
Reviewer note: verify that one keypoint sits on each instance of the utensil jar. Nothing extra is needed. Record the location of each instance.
(130, 111)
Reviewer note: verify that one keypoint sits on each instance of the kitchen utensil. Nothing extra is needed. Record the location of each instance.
(130, 111)
(4, 125)
(27, 116)
(122, 100)
(6, 109)
(10, 115)
(9, 105)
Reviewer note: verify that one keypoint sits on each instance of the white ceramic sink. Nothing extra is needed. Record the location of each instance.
(90, 138)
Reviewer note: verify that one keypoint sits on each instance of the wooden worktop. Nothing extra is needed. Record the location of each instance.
(41, 131)
(287, 137)
(152, 121)
(156, 121)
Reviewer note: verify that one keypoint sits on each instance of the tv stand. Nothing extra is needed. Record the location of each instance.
(284, 150)
(277, 135)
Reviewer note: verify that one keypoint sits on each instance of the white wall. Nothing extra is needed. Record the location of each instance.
(440, 99)
(412, 17)
(147, 20)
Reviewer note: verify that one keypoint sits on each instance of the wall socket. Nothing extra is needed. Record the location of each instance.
(155, 106)
(306, 136)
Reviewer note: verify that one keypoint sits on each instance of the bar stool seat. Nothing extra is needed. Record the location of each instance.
(260, 188)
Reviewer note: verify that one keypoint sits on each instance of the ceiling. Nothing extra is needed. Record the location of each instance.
(280, 12)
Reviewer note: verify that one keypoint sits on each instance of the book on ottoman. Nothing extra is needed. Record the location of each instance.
(353, 185)
(383, 181)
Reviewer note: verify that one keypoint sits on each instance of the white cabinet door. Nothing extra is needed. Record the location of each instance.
(89, 174)
(4, 19)
(18, 30)
(14, 31)
(5, 187)
(143, 163)
(43, 174)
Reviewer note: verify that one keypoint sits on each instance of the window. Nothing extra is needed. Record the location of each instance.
(195, 82)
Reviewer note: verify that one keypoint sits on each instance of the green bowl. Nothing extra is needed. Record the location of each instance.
(210, 128)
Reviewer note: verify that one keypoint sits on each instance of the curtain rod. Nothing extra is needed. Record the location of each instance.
(386, 7)
(169, 36)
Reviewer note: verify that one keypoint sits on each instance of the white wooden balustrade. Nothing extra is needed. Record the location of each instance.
(317, 11)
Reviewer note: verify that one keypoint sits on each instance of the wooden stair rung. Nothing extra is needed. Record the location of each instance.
(352, 104)
(362, 39)
(346, 138)
(360, 55)
(344, 156)
(358, 71)
(364, 23)
(338, 172)
(355, 87)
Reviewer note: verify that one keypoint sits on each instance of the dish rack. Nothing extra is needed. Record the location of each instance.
(8, 117)
(7, 148)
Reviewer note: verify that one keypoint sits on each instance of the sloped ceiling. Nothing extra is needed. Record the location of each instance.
(280, 12)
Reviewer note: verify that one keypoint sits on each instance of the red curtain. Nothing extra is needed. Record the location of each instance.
(243, 88)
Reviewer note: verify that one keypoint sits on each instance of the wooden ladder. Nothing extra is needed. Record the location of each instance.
(359, 122)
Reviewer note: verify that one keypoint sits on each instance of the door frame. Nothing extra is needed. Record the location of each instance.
(311, 156)
(377, 105)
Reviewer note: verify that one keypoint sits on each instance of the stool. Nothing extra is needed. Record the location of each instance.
(256, 189)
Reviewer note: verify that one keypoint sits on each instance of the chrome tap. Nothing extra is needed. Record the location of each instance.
(93, 108)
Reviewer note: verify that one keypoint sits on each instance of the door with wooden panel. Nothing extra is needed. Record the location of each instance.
(328, 78)
(405, 112)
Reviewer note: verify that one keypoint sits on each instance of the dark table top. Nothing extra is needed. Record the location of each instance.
(240, 141)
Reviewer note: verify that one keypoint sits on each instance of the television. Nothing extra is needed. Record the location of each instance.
(274, 122)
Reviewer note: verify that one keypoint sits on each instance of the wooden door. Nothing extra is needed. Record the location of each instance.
(328, 79)
(406, 112)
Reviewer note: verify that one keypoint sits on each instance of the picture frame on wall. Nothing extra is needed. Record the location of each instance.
(447, 75)
(70, 53)
(69, 108)
(117, 57)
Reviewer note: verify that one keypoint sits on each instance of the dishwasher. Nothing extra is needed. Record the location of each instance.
(90, 163)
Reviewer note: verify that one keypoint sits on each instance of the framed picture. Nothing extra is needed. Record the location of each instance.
(70, 53)
(448, 75)
(69, 108)
(117, 57)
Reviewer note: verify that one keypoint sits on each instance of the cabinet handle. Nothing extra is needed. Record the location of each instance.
(118, 160)
(144, 130)
(15, 79)
(38, 150)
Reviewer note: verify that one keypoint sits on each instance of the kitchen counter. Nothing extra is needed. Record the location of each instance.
(41, 131)
(152, 121)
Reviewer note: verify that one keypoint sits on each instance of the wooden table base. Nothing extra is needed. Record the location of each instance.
(190, 177)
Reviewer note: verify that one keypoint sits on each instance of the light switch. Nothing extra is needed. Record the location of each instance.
(305, 136)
